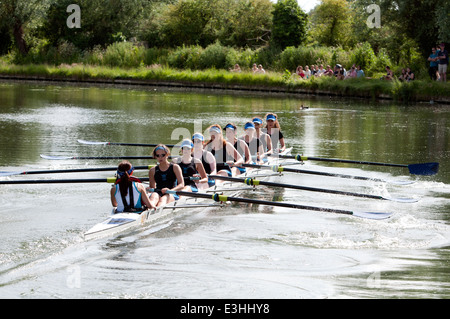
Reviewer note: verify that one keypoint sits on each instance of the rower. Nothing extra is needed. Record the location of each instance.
(163, 177)
(191, 168)
(127, 193)
(227, 157)
(273, 129)
(208, 160)
(263, 137)
(239, 145)
(254, 144)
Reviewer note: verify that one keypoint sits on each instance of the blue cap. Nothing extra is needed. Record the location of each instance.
(249, 125)
(257, 120)
(198, 136)
(215, 129)
(229, 126)
(187, 144)
(271, 117)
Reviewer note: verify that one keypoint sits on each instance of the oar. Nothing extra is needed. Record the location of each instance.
(251, 181)
(122, 144)
(415, 169)
(280, 169)
(50, 157)
(223, 198)
(74, 170)
(63, 181)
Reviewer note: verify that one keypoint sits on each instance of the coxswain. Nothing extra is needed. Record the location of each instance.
(128, 194)
(163, 177)
(227, 157)
(194, 174)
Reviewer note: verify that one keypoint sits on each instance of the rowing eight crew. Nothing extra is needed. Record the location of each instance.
(198, 159)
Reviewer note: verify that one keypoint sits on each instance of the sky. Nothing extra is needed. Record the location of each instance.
(307, 5)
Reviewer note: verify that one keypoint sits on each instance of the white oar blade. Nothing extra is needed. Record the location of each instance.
(402, 199)
(92, 142)
(372, 215)
(4, 174)
(401, 183)
(56, 157)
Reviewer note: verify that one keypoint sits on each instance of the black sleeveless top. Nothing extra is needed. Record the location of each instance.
(222, 157)
(165, 179)
(205, 163)
(188, 171)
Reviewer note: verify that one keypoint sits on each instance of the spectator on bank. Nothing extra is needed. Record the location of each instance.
(300, 72)
(317, 71)
(320, 71)
(360, 72)
(339, 72)
(410, 76)
(236, 68)
(307, 72)
(443, 63)
(403, 76)
(254, 68)
(433, 59)
(260, 70)
(351, 73)
(328, 71)
(389, 75)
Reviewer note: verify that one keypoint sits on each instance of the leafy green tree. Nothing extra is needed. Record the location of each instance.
(18, 16)
(238, 23)
(331, 23)
(289, 24)
(102, 21)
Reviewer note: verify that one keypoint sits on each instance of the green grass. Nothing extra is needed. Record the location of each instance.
(369, 88)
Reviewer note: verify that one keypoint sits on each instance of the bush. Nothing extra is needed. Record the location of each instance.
(214, 56)
(124, 54)
(185, 57)
(245, 58)
(292, 57)
(364, 56)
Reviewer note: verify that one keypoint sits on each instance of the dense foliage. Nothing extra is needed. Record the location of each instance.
(199, 34)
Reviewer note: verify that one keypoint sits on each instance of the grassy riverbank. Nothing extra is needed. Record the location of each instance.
(419, 90)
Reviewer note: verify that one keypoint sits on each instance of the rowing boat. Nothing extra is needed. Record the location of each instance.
(120, 222)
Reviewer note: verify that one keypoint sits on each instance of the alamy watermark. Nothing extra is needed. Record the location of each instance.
(374, 19)
(74, 20)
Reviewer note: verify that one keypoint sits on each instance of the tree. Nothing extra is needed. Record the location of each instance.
(17, 15)
(331, 23)
(289, 24)
(102, 21)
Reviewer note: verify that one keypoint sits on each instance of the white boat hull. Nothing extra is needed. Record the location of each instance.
(120, 222)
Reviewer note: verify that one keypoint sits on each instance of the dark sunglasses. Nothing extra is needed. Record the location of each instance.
(160, 155)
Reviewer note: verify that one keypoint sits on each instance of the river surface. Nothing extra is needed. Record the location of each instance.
(239, 251)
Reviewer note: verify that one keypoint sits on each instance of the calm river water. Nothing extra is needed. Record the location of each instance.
(234, 252)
